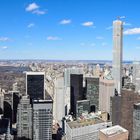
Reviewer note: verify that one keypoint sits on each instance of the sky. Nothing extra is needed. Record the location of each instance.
(67, 29)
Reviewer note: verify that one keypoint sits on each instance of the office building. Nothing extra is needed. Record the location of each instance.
(106, 91)
(35, 85)
(92, 92)
(15, 101)
(76, 90)
(11, 101)
(85, 129)
(58, 100)
(68, 72)
(97, 70)
(129, 98)
(124, 113)
(1, 101)
(115, 109)
(24, 118)
(42, 119)
(136, 122)
(117, 54)
(83, 106)
(113, 133)
(5, 129)
(136, 76)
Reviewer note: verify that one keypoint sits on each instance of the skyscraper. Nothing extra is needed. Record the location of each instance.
(136, 121)
(92, 92)
(76, 91)
(68, 72)
(42, 119)
(58, 102)
(11, 101)
(117, 53)
(24, 118)
(1, 101)
(136, 75)
(106, 90)
(35, 85)
(122, 109)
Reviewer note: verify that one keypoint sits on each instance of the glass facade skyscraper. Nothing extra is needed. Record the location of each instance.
(35, 85)
(76, 91)
(92, 92)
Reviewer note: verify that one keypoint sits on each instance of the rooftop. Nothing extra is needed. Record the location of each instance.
(35, 73)
(85, 122)
(114, 130)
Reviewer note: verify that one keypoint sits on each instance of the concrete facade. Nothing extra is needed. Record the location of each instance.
(123, 109)
(106, 90)
(59, 99)
(24, 118)
(88, 130)
(42, 120)
(136, 122)
(117, 54)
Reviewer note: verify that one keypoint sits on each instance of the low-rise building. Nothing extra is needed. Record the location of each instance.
(113, 133)
(85, 129)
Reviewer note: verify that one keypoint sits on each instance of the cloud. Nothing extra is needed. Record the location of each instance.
(31, 25)
(39, 12)
(82, 44)
(99, 37)
(93, 44)
(35, 9)
(4, 47)
(122, 17)
(87, 44)
(31, 7)
(65, 21)
(53, 38)
(104, 44)
(4, 39)
(132, 31)
(88, 24)
(108, 28)
(138, 47)
(127, 24)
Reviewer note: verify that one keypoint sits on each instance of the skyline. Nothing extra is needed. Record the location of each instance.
(72, 30)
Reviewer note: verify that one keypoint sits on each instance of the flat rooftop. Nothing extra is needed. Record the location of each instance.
(35, 73)
(114, 130)
(85, 122)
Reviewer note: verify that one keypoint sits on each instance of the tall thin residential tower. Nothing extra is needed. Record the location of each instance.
(117, 54)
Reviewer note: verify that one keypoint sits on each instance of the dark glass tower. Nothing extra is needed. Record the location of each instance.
(35, 85)
(92, 92)
(76, 91)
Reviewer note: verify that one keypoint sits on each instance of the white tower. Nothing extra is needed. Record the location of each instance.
(117, 54)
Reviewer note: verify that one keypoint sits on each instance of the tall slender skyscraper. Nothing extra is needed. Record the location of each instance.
(117, 53)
